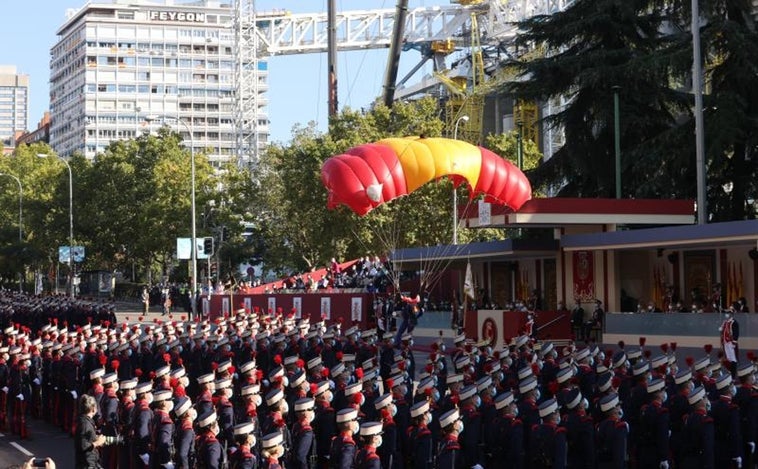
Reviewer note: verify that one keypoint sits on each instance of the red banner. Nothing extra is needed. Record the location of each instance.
(584, 275)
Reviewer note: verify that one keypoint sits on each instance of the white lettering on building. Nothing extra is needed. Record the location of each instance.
(179, 16)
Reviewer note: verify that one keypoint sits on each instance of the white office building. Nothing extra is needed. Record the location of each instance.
(14, 104)
(117, 63)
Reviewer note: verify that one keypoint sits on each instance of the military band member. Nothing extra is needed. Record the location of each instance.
(371, 439)
(303, 454)
(343, 447)
(244, 439)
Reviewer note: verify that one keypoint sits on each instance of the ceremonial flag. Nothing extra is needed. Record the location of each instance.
(468, 283)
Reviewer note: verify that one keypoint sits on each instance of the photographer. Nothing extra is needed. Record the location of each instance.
(86, 440)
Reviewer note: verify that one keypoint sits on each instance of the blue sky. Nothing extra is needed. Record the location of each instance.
(297, 84)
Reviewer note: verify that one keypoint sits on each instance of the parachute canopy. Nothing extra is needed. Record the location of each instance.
(369, 175)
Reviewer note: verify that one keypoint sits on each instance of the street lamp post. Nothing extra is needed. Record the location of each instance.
(20, 222)
(455, 191)
(70, 224)
(193, 281)
(520, 146)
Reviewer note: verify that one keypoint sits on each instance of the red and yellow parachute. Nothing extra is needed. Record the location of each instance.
(369, 175)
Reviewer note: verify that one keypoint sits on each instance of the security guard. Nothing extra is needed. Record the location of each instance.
(303, 440)
(653, 443)
(548, 446)
(244, 438)
(343, 448)
(371, 437)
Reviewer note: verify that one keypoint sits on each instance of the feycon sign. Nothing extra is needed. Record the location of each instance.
(179, 16)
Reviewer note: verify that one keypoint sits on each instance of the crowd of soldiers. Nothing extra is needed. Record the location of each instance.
(271, 390)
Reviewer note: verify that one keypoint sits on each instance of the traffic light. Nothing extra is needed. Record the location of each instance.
(208, 246)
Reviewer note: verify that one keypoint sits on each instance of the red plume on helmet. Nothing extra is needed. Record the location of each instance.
(642, 341)
(359, 373)
(621, 344)
(325, 372)
(167, 358)
(102, 359)
(278, 359)
(214, 366)
(314, 388)
(357, 398)
(708, 348)
(647, 354)
(665, 348)
(300, 363)
(553, 387)
(673, 347)
(390, 383)
(339, 356)
(615, 382)
(751, 356)
(115, 364)
(689, 361)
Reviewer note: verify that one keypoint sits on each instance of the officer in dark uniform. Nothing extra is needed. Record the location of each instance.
(210, 455)
(371, 438)
(244, 438)
(580, 431)
(110, 418)
(548, 446)
(679, 406)
(420, 437)
(747, 400)
(470, 438)
(653, 443)
(143, 417)
(726, 425)
(184, 442)
(204, 402)
(449, 452)
(386, 411)
(303, 454)
(698, 433)
(225, 411)
(324, 425)
(162, 438)
(611, 435)
(272, 450)
(504, 437)
(343, 449)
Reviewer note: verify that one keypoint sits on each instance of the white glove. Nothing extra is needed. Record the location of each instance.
(5, 389)
(751, 444)
(20, 397)
(477, 466)
(738, 461)
(664, 465)
(74, 394)
(145, 458)
(169, 465)
(36, 381)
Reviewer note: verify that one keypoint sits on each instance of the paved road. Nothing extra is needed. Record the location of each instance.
(45, 440)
